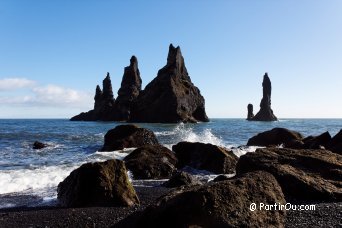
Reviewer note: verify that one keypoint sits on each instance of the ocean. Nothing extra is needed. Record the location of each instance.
(30, 177)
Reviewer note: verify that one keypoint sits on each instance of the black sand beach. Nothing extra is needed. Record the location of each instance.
(325, 215)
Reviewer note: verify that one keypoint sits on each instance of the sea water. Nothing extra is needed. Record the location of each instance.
(30, 177)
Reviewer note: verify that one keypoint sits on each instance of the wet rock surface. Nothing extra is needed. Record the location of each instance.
(151, 162)
(127, 136)
(97, 184)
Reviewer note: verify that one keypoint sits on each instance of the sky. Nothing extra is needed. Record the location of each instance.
(54, 53)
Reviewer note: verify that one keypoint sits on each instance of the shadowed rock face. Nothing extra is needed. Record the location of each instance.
(104, 104)
(97, 184)
(265, 113)
(129, 91)
(302, 174)
(217, 204)
(171, 97)
(250, 114)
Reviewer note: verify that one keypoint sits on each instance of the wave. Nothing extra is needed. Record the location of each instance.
(183, 132)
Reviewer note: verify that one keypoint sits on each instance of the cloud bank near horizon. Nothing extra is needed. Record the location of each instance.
(24, 92)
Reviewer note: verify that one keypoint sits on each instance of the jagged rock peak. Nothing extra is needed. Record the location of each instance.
(98, 97)
(266, 87)
(175, 58)
(107, 88)
(134, 61)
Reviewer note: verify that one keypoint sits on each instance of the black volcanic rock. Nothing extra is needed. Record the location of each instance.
(216, 204)
(128, 136)
(97, 184)
(129, 91)
(205, 157)
(335, 145)
(265, 113)
(317, 142)
(180, 179)
(104, 104)
(151, 162)
(302, 174)
(39, 145)
(171, 97)
(250, 114)
(276, 137)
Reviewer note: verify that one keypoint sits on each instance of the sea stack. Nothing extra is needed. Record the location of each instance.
(250, 114)
(104, 104)
(265, 113)
(171, 97)
(129, 91)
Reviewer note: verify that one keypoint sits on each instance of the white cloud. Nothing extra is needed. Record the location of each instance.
(15, 83)
(42, 96)
(56, 95)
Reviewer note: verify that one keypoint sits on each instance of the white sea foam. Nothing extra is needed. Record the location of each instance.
(99, 156)
(33, 179)
(183, 132)
(239, 151)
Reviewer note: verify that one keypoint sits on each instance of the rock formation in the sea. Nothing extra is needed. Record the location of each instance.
(128, 136)
(39, 145)
(302, 174)
(97, 184)
(250, 114)
(265, 113)
(205, 157)
(104, 104)
(151, 162)
(129, 91)
(216, 204)
(171, 97)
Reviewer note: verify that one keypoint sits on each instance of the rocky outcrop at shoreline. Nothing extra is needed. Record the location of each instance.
(128, 136)
(151, 162)
(98, 184)
(169, 98)
(265, 113)
(302, 174)
(217, 204)
(205, 157)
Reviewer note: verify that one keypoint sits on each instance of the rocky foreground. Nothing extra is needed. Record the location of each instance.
(289, 170)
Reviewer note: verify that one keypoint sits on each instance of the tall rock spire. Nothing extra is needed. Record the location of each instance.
(170, 97)
(265, 113)
(129, 90)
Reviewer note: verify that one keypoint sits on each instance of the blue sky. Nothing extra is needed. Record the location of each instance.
(54, 53)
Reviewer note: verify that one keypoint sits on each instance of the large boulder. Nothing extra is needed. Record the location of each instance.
(302, 174)
(335, 145)
(180, 179)
(151, 162)
(97, 184)
(171, 97)
(217, 204)
(205, 157)
(276, 137)
(265, 113)
(127, 136)
(317, 142)
(104, 104)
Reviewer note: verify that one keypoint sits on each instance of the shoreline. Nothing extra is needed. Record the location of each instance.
(326, 214)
